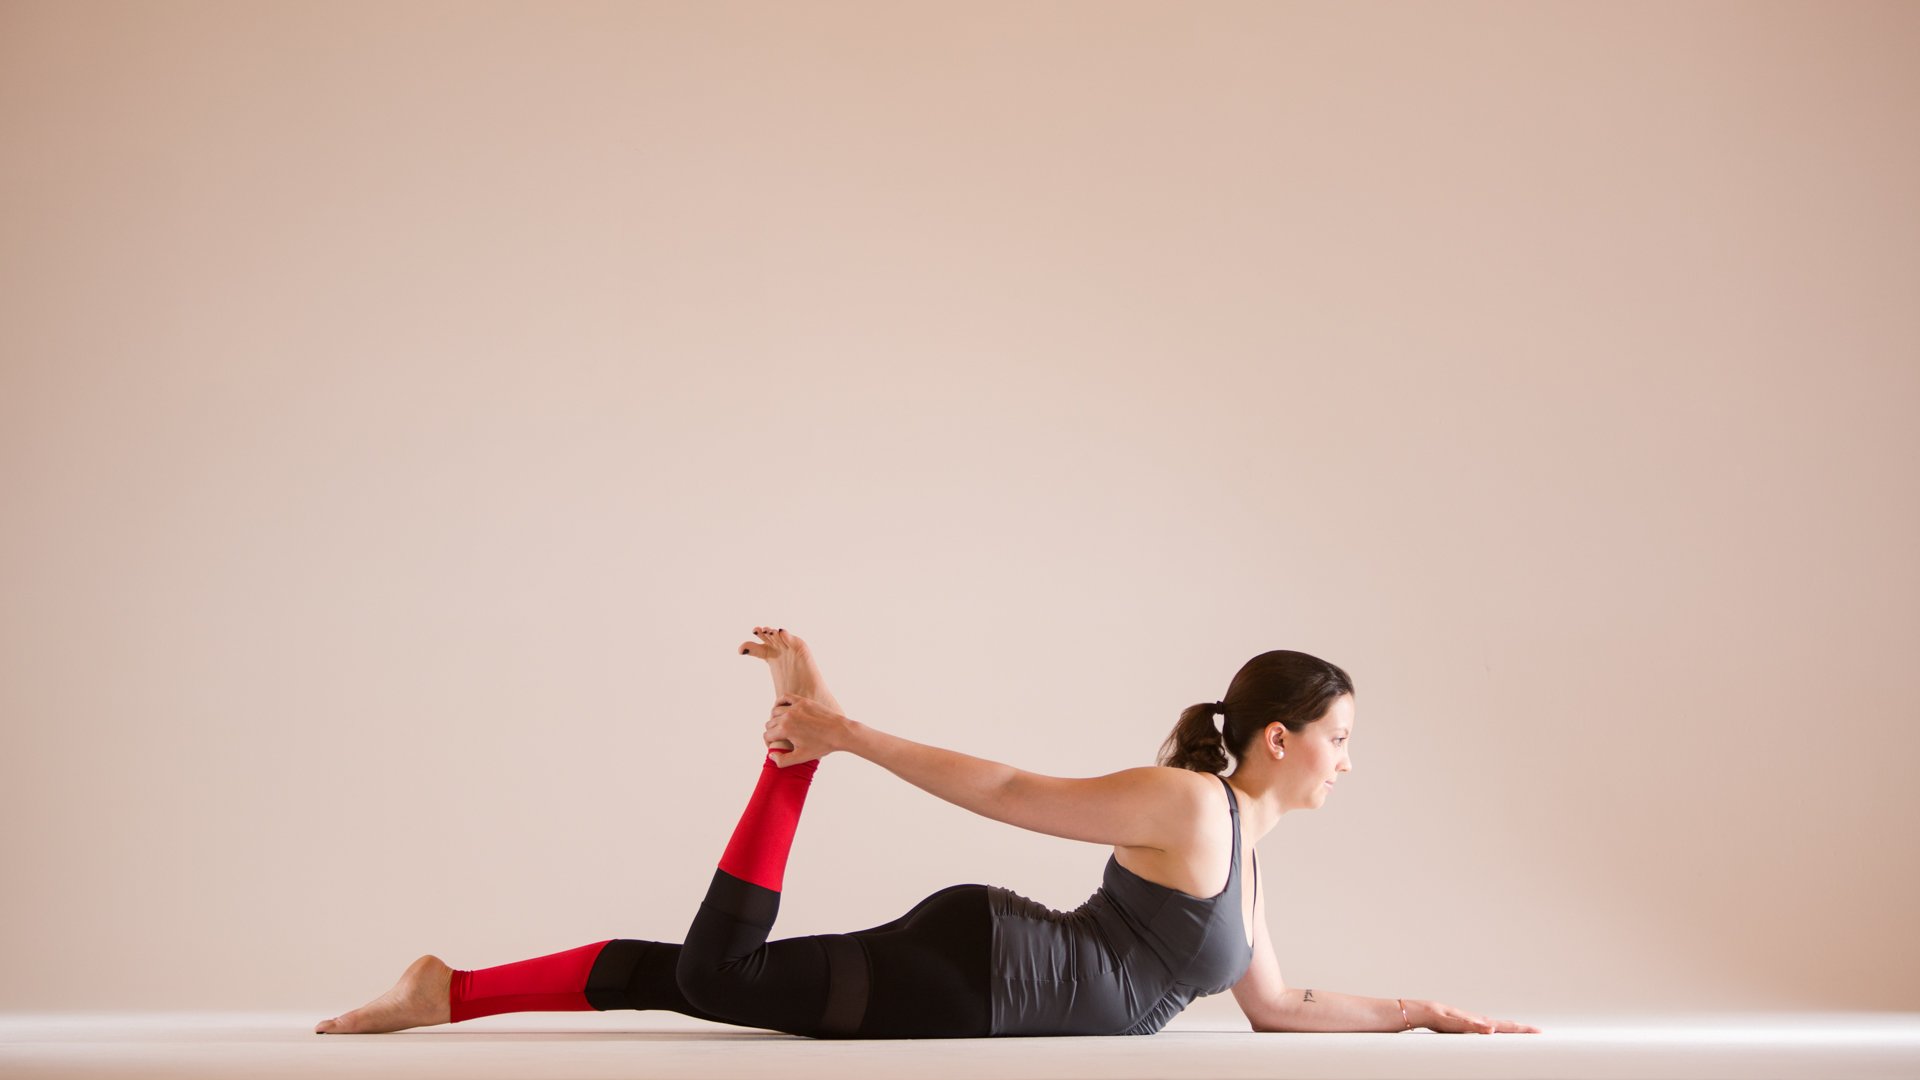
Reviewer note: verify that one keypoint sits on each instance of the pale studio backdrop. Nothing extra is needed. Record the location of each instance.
(407, 410)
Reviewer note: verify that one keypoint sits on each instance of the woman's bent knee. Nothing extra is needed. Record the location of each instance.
(705, 981)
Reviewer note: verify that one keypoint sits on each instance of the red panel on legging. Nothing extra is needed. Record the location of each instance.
(553, 983)
(764, 837)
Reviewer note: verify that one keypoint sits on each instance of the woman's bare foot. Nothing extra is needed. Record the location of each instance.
(794, 671)
(420, 997)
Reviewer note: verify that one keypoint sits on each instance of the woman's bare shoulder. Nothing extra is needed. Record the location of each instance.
(1191, 799)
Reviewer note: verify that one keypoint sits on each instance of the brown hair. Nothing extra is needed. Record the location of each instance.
(1282, 686)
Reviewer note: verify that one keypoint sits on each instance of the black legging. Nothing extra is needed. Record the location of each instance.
(921, 976)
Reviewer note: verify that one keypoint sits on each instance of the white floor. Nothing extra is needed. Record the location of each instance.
(1818, 1046)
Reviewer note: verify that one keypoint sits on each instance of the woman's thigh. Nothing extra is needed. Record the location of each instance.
(923, 975)
(930, 969)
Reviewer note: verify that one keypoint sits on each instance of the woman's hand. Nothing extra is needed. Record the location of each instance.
(1451, 1021)
(806, 730)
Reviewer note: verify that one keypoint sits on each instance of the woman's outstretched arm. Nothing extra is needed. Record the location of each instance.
(1324, 1010)
(1145, 807)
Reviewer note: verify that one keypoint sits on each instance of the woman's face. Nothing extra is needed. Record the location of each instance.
(1318, 755)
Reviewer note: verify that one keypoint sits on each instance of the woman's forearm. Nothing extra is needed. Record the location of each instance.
(970, 783)
(1324, 1010)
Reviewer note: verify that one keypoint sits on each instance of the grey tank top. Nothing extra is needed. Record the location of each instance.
(1123, 963)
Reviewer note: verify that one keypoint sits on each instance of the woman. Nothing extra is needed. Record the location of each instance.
(1166, 926)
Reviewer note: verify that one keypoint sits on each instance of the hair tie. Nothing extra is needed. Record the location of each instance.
(1220, 707)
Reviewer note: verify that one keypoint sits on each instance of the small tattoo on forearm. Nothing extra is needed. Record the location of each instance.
(1308, 998)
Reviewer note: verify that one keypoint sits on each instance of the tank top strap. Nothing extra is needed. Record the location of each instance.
(1233, 806)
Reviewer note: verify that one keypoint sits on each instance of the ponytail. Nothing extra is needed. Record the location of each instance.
(1195, 743)
(1282, 687)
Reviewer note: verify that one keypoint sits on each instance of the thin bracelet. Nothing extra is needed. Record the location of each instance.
(1403, 1013)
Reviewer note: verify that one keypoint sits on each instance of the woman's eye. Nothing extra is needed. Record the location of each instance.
(1341, 740)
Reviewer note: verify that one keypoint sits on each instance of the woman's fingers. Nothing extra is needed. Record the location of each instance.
(1486, 1025)
(775, 735)
(796, 718)
(784, 749)
(1460, 1021)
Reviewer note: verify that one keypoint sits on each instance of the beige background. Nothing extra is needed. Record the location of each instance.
(406, 411)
